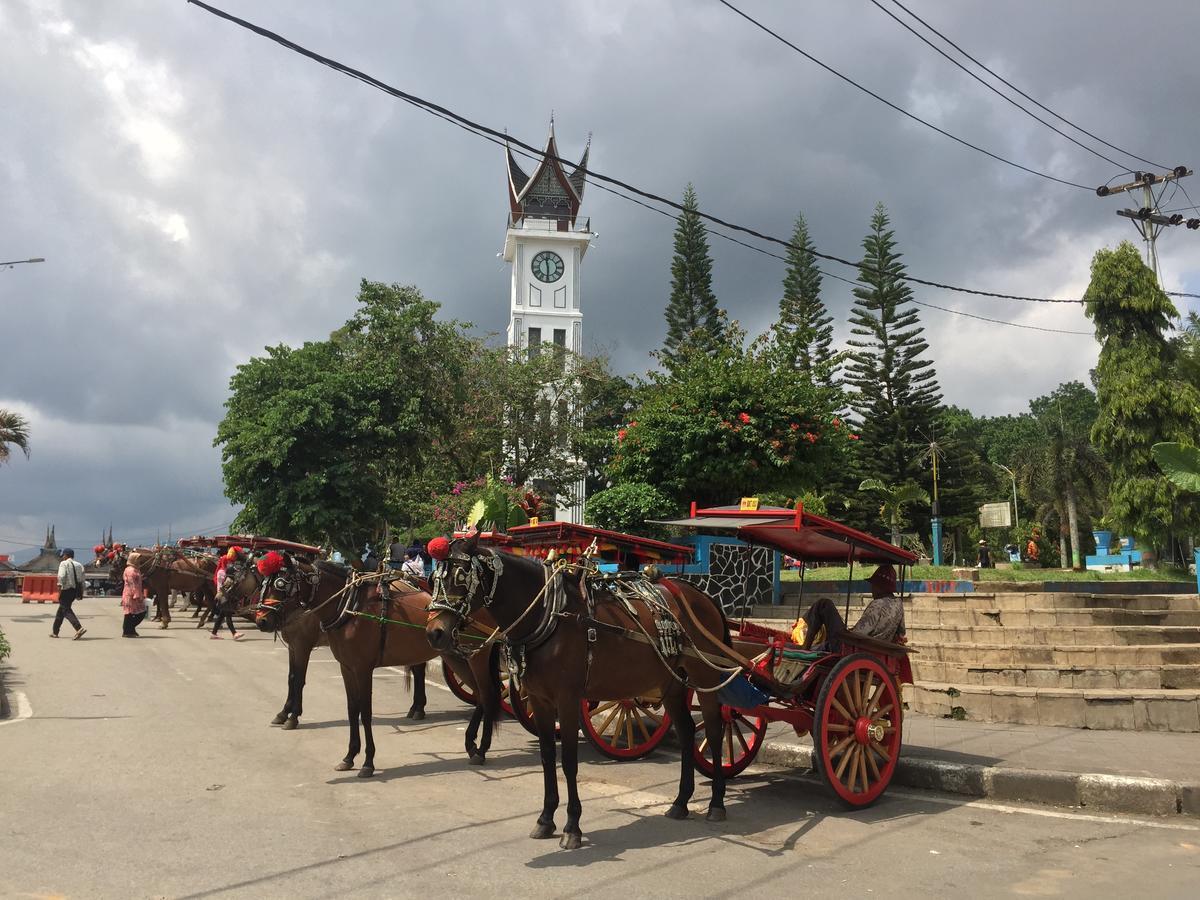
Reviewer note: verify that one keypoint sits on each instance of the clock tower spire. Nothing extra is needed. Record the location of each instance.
(545, 242)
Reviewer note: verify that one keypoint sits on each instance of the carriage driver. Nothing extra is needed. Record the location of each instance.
(883, 619)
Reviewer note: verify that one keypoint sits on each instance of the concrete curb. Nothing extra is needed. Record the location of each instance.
(1103, 793)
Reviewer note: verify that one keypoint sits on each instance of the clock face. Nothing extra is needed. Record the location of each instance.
(547, 266)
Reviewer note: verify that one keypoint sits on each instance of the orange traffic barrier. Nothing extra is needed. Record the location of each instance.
(39, 589)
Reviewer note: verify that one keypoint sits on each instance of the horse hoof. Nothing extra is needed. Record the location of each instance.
(415, 714)
(343, 766)
(279, 719)
(541, 832)
(291, 724)
(571, 840)
(477, 759)
(366, 771)
(716, 814)
(677, 811)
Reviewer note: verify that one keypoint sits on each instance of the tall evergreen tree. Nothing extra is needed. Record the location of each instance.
(694, 322)
(897, 395)
(1142, 398)
(804, 331)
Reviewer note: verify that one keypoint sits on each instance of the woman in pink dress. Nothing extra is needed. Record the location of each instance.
(133, 602)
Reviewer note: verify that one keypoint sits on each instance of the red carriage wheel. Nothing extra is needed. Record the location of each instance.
(521, 710)
(457, 687)
(856, 730)
(625, 729)
(741, 739)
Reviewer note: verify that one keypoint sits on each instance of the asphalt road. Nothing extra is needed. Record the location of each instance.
(147, 768)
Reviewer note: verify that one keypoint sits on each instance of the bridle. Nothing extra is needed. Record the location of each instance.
(469, 575)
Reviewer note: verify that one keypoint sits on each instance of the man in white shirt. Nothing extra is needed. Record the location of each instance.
(70, 589)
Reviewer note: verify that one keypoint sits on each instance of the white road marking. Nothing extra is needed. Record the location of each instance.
(179, 672)
(24, 708)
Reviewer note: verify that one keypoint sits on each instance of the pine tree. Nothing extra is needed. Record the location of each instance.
(694, 322)
(897, 397)
(804, 331)
(1142, 399)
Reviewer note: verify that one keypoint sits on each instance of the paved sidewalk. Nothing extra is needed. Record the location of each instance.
(1120, 771)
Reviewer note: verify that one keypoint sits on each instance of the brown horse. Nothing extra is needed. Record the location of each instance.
(368, 629)
(578, 642)
(166, 569)
(301, 633)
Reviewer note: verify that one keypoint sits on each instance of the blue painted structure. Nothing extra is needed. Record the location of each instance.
(1106, 555)
(701, 564)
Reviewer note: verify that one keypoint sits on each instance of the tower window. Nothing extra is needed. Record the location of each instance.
(560, 347)
(535, 341)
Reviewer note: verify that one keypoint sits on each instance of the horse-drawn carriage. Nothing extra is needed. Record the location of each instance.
(845, 693)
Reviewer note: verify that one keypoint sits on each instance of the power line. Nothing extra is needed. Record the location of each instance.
(891, 105)
(993, 88)
(1009, 84)
(504, 139)
(848, 281)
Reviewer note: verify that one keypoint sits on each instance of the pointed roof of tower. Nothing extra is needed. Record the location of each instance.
(578, 177)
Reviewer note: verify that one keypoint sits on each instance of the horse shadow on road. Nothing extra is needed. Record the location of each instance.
(767, 812)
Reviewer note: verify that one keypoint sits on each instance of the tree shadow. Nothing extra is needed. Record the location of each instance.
(446, 764)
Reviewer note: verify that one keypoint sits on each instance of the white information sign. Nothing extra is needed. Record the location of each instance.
(995, 515)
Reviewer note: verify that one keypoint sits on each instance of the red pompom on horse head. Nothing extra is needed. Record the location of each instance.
(270, 564)
(98, 549)
(438, 548)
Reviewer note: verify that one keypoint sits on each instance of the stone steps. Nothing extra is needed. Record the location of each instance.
(1017, 656)
(1124, 710)
(1172, 676)
(1050, 617)
(1059, 635)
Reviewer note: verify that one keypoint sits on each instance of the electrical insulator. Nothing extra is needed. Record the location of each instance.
(1177, 219)
(1193, 224)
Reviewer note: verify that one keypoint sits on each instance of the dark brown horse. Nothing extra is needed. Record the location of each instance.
(301, 633)
(367, 630)
(578, 642)
(166, 569)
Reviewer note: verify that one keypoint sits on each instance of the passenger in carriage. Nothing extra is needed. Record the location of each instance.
(883, 619)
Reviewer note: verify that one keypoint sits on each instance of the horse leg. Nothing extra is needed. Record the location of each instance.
(568, 723)
(417, 710)
(714, 730)
(544, 718)
(364, 714)
(487, 698)
(675, 702)
(298, 657)
(473, 754)
(282, 715)
(350, 682)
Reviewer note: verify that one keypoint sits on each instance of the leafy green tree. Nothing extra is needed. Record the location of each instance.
(897, 393)
(804, 332)
(626, 507)
(315, 440)
(1142, 401)
(893, 499)
(608, 401)
(727, 425)
(693, 317)
(14, 432)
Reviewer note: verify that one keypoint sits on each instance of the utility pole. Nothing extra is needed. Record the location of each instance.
(1148, 220)
(1016, 515)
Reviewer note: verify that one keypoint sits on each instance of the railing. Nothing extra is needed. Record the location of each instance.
(542, 222)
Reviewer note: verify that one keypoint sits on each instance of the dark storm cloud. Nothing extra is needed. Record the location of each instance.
(200, 193)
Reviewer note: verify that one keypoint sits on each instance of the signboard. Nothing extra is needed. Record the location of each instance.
(995, 515)
(749, 504)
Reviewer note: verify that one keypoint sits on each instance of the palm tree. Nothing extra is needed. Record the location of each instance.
(895, 498)
(14, 432)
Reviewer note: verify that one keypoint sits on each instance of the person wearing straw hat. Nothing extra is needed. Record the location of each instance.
(883, 619)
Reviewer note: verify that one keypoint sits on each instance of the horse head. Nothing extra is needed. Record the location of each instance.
(242, 581)
(285, 587)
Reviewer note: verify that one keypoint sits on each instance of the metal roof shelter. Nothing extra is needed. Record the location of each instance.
(795, 532)
(571, 540)
(249, 542)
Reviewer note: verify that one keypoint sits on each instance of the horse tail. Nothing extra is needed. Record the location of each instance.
(408, 679)
(492, 708)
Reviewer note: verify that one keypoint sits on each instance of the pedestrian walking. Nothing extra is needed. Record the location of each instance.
(985, 555)
(70, 589)
(133, 602)
(221, 612)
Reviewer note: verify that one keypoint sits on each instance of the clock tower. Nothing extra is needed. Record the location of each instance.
(545, 242)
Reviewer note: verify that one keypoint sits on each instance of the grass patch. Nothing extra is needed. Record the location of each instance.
(946, 573)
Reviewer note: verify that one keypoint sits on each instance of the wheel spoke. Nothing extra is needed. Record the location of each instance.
(873, 699)
(641, 723)
(881, 713)
(729, 742)
(878, 748)
(840, 746)
(870, 758)
(841, 709)
(703, 745)
(604, 706)
(862, 765)
(837, 727)
(628, 730)
(603, 729)
(741, 738)
(845, 693)
(845, 759)
(860, 680)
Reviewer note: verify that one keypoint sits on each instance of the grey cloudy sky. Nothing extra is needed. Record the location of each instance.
(200, 193)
